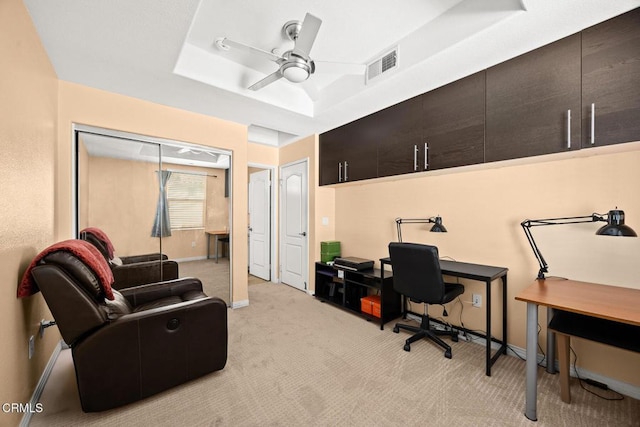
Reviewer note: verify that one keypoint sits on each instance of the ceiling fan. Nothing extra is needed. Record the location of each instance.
(295, 65)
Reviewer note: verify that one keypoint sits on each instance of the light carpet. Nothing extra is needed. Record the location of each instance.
(294, 361)
(214, 276)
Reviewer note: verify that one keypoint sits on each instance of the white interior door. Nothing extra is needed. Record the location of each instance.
(259, 224)
(293, 225)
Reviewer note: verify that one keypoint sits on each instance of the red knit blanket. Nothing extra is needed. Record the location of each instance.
(102, 236)
(85, 251)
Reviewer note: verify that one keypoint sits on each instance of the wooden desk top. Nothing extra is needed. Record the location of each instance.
(218, 232)
(592, 299)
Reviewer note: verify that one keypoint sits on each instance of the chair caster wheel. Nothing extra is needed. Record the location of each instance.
(396, 329)
(454, 337)
(407, 347)
(447, 354)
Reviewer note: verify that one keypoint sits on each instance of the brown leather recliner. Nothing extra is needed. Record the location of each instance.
(136, 269)
(148, 339)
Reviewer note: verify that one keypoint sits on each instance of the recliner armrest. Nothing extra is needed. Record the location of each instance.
(143, 258)
(128, 275)
(172, 344)
(143, 294)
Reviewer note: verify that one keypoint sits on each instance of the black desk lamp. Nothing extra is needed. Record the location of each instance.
(615, 227)
(436, 220)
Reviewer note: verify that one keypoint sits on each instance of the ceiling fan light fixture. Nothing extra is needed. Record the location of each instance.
(296, 72)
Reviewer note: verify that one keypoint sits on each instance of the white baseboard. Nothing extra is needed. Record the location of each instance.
(240, 304)
(35, 397)
(613, 384)
(616, 385)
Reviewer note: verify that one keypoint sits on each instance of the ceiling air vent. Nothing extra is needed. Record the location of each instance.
(387, 62)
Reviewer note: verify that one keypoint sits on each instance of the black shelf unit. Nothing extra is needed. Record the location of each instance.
(345, 291)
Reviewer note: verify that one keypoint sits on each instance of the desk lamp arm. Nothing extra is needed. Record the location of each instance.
(432, 220)
(528, 223)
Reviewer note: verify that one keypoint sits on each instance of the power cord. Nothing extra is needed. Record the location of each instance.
(594, 383)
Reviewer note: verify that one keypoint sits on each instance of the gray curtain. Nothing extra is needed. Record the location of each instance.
(161, 224)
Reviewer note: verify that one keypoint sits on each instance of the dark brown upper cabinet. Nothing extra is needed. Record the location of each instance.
(453, 124)
(348, 153)
(398, 132)
(611, 81)
(534, 102)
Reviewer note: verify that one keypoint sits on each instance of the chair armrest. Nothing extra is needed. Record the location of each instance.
(128, 275)
(147, 352)
(143, 258)
(143, 294)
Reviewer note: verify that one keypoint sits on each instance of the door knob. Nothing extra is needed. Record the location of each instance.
(304, 233)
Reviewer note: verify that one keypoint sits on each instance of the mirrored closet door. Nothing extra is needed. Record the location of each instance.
(163, 205)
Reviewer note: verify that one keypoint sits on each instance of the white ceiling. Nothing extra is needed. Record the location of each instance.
(164, 51)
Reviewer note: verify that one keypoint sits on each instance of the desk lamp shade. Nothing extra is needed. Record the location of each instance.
(439, 228)
(616, 226)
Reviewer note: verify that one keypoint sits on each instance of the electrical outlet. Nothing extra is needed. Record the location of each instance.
(32, 346)
(476, 300)
(193, 244)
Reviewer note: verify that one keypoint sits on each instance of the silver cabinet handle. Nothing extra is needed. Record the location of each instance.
(339, 172)
(568, 128)
(346, 177)
(415, 158)
(593, 124)
(426, 151)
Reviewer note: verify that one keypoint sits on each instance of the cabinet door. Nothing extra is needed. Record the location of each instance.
(611, 81)
(398, 132)
(330, 156)
(453, 124)
(348, 153)
(528, 99)
(361, 153)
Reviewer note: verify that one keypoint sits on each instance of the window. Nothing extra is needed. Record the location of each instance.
(186, 198)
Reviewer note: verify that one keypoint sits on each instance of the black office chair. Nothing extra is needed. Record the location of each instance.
(417, 276)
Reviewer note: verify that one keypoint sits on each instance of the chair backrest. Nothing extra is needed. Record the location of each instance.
(73, 294)
(91, 238)
(416, 272)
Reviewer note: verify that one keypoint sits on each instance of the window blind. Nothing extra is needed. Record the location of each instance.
(186, 198)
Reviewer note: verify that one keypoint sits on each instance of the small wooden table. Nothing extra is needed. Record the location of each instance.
(217, 234)
(590, 299)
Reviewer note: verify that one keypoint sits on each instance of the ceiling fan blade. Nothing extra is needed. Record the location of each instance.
(266, 81)
(307, 36)
(250, 49)
(325, 67)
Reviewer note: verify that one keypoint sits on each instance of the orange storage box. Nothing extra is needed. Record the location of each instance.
(370, 305)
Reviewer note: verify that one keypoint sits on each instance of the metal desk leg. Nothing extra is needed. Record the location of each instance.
(532, 362)
(504, 314)
(488, 350)
(551, 345)
(216, 244)
(208, 243)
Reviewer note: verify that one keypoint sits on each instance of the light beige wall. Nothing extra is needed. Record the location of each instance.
(262, 154)
(123, 199)
(88, 106)
(28, 102)
(482, 207)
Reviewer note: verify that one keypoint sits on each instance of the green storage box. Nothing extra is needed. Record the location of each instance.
(329, 251)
